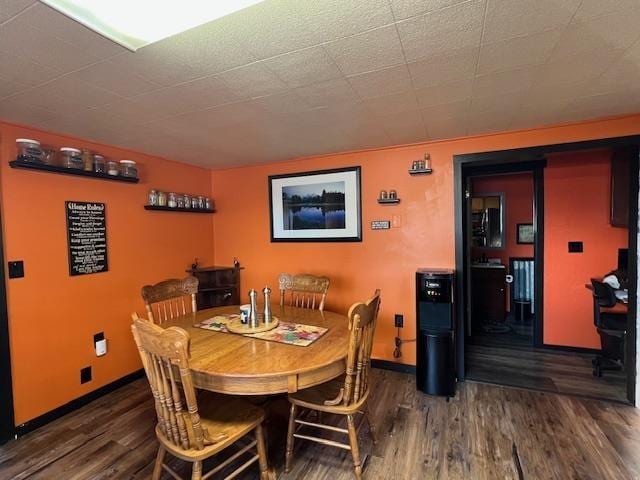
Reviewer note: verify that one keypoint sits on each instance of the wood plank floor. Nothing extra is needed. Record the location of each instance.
(543, 369)
(485, 432)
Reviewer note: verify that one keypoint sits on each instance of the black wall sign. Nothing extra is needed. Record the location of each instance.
(86, 237)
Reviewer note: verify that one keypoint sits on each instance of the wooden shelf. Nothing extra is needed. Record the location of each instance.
(43, 167)
(177, 210)
(388, 201)
(420, 171)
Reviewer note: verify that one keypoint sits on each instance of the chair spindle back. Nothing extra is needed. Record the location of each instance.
(362, 325)
(306, 291)
(170, 298)
(165, 352)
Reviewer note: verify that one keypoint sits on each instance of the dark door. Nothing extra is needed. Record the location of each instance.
(7, 426)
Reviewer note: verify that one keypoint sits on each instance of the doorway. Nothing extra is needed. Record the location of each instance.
(543, 348)
(7, 425)
(502, 258)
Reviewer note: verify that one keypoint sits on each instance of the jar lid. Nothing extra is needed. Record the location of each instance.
(128, 162)
(99, 157)
(27, 140)
(70, 150)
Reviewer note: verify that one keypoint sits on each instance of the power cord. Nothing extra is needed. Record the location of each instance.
(397, 352)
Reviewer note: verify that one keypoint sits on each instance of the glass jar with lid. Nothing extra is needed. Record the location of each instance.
(153, 198)
(162, 199)
(194, 202)
(99, 165)
(172, 201)
(71, 158)
(29, 150)
(87, 160)
(128, 169)
(187, 200)
(112, 168)
(180, 200)
(201, 202)
(208, 203)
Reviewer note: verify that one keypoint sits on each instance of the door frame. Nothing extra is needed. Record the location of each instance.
(462, 165)
(7, 420)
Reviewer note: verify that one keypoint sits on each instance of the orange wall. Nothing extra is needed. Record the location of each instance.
(52, 316)
(577, 208)
(385, 258)
(518, 194)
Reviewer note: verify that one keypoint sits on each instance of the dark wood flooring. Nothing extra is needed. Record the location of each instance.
(485, 432)
(493, 361)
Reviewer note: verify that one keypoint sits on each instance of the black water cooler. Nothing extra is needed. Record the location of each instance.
(436, 362)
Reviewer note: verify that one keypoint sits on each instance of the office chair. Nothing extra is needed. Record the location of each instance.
(612, 328)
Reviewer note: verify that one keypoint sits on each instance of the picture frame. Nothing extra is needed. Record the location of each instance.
(316, 206)
(525, 235)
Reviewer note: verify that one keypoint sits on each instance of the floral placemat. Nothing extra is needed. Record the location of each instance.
(286, 332)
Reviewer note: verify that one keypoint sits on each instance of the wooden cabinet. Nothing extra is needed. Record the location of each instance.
(620, 183)
(218, 286)
(488, 297)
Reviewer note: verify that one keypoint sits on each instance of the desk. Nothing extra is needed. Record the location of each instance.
(621, 306)
(238, 365)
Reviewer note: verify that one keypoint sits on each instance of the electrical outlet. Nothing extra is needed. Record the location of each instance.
(399, 320)
(85, 375)
(16, 269)
(576, 247)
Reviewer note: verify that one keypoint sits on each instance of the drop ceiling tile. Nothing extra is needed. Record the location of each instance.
(506, 103)
(8, 87)
(445, 93)
(517, 52)
(382, 82)
(621, 75)
(331, 19)
(410, 8)
(446, 128)
(253, 80)
(304, 67)
(285, 103)
(154, 66)
(405, 127)
(18, 38)
(331, 92)
(548, 97)
(507, 19)
(108, 76)
(130, 111)
(435, 33)
(613, 31)
(368, 51)
(190, 96)
(15, 110)
(491, 122)
(227, 114)
(204, 50)
(46, 19)
(455, 65)
(453, 110)
(392, 104)
(77, 92)
(596, 8)
(577, 67)
(11, 8)
(21, 70)
(505, 82)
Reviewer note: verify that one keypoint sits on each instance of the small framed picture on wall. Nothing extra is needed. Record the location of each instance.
(525, 233)
(319, 206)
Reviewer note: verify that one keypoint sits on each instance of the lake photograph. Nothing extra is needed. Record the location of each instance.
(315, 206)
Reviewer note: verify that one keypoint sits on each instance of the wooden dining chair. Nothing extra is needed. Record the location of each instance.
(170, 298)
(346, 395)
(185, 429)
(305, 291)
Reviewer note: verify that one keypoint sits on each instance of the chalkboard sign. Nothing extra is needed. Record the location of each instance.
(86, 237)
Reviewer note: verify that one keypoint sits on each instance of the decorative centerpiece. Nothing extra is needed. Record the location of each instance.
(255, 322)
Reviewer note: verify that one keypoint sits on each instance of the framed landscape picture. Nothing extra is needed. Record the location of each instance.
(319, 206)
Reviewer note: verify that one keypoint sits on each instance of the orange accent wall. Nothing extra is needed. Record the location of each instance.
(52, 316)
(518, 194)
(577, 208)
(387, 259)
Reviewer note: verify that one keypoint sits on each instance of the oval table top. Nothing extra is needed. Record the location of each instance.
(236, 364)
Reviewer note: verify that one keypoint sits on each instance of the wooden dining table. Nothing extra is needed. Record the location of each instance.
(239, 365)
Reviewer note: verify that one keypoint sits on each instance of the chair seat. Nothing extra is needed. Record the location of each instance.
(315, 397)
(613, 321)
(225, 415)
